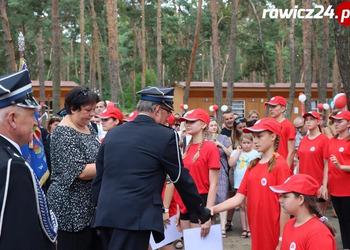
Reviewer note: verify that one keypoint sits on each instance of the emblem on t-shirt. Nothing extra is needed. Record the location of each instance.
(292, 246)
(263, 182)
(341, 149)
(312, 149)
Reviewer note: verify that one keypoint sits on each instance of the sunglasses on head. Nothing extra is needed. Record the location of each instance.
(239, 120)
(85, 91)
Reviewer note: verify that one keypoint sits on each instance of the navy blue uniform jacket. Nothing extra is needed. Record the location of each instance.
(131, 167)
(20, 225)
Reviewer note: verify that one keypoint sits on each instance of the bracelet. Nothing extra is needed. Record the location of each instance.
(165, 210)
(280, 238)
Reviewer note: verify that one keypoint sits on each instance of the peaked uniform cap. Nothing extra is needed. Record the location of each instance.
(277, 100)
(264, 124)
(16, 89)
(158, 94)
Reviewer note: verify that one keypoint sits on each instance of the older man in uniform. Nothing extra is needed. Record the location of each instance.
(131, 167)
(25, 222)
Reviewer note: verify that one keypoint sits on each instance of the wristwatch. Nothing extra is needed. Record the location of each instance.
(165, 210)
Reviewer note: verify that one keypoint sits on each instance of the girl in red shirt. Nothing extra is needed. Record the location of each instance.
(313, 155)
(306, 230)
(202, 158)
(265, 218)
(339, 173)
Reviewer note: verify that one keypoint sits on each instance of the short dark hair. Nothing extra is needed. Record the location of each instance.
(79, 96)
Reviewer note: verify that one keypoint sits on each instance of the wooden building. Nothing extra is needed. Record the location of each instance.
(66, 86)
(246, 97)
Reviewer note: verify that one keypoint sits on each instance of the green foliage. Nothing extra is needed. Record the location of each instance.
(178, 28)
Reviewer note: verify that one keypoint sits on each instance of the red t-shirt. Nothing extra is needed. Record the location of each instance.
(172, 207)
(311, 155)
(263, 207)
(312, 235)
(287, 134)
(209, 158)
(338, 180)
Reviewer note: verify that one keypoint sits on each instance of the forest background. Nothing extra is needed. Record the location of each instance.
(116, 47)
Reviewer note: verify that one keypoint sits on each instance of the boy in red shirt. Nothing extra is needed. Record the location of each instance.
(277, 106)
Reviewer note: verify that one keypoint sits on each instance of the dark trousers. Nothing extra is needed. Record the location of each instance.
(82, 240)
(118, 239)
(342, 207)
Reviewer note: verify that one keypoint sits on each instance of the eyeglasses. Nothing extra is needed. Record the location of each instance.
(239, 120)
(300, 127)
(167, 110)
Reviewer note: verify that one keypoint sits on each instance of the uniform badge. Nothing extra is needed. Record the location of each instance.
(312, 149)
(263, 182)
(341, 149)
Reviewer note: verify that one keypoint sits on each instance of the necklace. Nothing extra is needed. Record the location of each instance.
(81, 129)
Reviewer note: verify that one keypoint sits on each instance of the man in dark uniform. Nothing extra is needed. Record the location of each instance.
(25, 222)
(131, 167)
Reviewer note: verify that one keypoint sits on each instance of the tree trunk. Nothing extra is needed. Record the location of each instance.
(342, 44)
(112, 13)
(322, 87)
(41, 66)
(96, 48)
(202, 64)
(336, 77)
(265, 61)
(216, 59)
(232, 54)
(11, 65)
(279, 61)
(82, 44)
(293, 78)
(56, 53)
(133, 72)
(307, 25)
(143, 56)
(193, 54)
(160, 81)
(316, 59)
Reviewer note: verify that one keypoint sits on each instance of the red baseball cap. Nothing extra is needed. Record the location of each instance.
(171, 119)
(196, 114)
(314, 114)
(277, 100)
(111, 111)
(131, 116)
(299, 183)
(264, 124)
(341, 115)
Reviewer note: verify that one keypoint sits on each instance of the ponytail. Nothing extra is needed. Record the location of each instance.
(310, 202)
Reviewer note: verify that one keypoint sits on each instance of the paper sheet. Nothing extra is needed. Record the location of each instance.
(171, 234)
(193, 240)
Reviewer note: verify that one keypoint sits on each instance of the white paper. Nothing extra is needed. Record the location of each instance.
(296, 110)
(193, 240)
(170, 233)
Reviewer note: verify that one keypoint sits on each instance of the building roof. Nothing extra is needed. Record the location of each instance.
(49, 83)
(249, 85)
